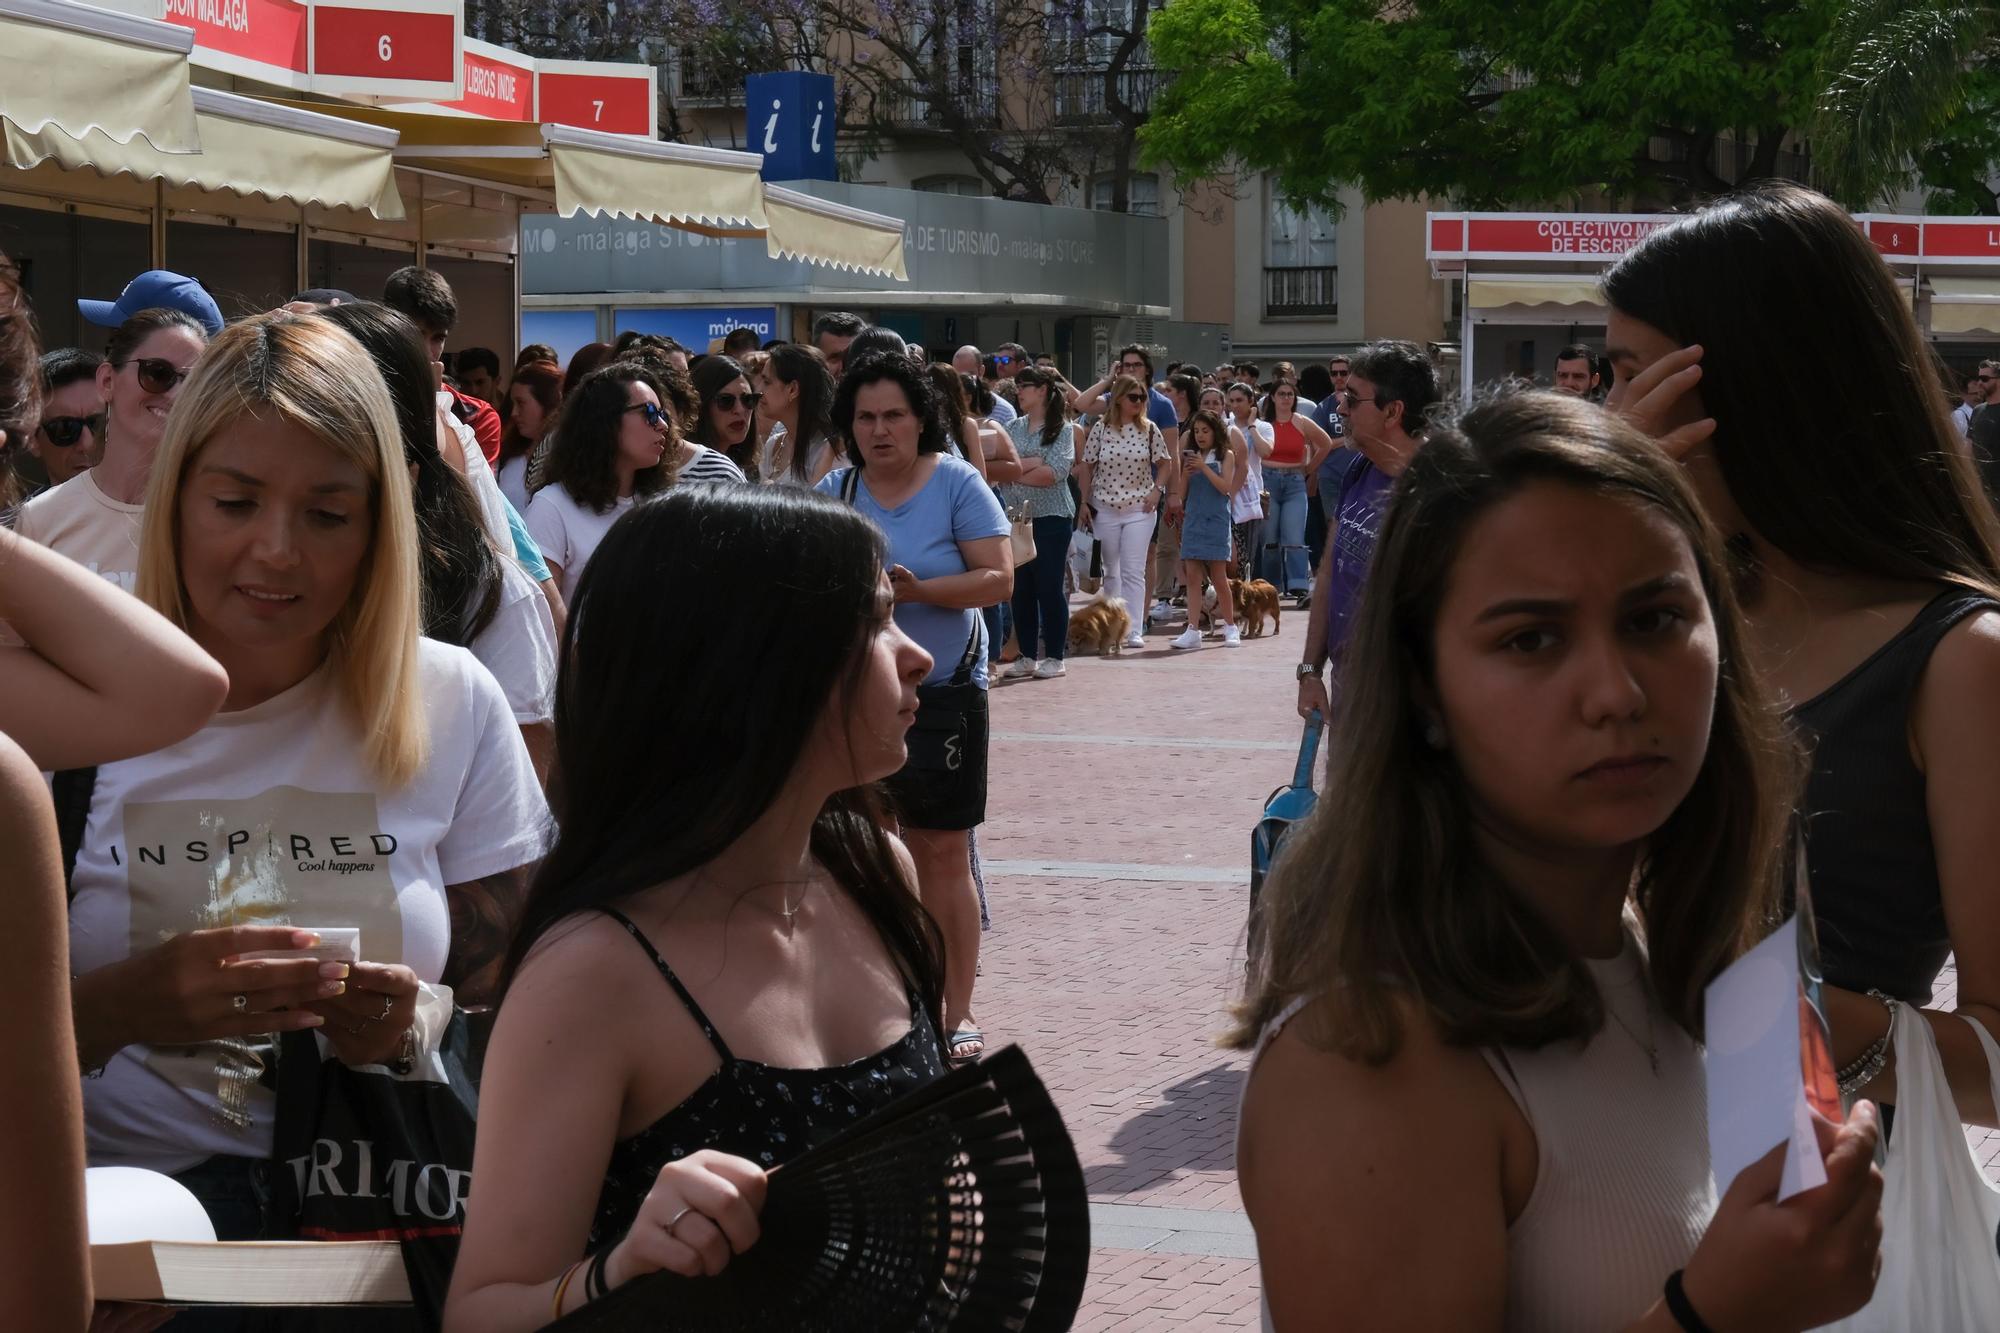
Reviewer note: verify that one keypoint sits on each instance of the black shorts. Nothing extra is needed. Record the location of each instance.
(945, 790)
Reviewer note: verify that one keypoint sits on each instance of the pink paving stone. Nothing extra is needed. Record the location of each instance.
(1118, 988)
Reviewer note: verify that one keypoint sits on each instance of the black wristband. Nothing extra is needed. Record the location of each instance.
(1680, 1307)
(593, 1277)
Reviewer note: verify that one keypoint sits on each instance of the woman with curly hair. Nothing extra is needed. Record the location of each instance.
(609, 448)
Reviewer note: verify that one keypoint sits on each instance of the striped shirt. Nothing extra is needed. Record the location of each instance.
(708, 465)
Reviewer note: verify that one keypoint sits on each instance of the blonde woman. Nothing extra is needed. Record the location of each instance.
(1125, 469)
(358, 776)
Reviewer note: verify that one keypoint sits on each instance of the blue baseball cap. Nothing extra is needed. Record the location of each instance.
(155, 287)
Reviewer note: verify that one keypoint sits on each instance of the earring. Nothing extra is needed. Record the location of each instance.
(1434, 734)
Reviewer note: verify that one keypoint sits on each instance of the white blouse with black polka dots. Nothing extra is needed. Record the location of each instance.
(1122, 461)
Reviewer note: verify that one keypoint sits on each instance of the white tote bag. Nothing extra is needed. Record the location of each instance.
(1939, 1215)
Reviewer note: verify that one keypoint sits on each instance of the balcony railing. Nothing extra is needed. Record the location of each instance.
(698, 81)
(1080, 93)
(975, 96)
(1302, 291)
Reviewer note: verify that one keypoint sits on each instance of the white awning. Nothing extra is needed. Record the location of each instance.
(1494, 293)
(247, 147)
(802, 226)
(1965, 305)
(85, 70)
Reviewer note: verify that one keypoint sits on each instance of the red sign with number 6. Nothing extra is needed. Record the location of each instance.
(383, 43)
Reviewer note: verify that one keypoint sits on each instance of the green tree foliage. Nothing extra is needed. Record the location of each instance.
(1488, 103)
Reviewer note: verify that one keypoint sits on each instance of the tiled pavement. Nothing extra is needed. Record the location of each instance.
(1116, 856)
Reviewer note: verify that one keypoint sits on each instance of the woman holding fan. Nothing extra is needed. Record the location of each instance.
(757, 929)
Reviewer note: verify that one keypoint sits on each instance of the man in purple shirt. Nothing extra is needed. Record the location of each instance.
(1391, 388)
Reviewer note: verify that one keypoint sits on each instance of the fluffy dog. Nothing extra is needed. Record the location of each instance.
(1100, 627)
(1254, 600)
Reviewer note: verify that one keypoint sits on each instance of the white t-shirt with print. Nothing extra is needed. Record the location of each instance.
(568, 532)
(79, 520)
(270, 815)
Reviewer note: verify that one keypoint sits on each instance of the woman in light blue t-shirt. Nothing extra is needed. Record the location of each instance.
(949, 556)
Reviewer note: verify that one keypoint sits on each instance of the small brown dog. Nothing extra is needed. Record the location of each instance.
(1099, 627)
(1254, 600)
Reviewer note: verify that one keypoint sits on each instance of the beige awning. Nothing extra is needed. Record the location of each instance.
(247, 147)
(617, 175)
(712, 191)
(823, 232)
(90, 71)
(1494, 293)
(1965, 305)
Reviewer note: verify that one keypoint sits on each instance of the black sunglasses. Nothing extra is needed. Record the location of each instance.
(654, 416)
(157, 375)
(727, 401)
(1354, 399)
(65, 431)
(1135, 397)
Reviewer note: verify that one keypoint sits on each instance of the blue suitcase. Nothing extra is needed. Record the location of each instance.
(1284, 807)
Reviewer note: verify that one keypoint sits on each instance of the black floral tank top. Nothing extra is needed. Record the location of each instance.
(757, 1111)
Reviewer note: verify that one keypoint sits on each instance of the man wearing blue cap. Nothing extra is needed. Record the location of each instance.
(155, 287)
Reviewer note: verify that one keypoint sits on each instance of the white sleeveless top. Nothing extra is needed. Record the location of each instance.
(1622, 1187)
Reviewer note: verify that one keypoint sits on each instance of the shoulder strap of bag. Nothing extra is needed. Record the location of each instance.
(850, 484)
(963, 675)
(72, 789)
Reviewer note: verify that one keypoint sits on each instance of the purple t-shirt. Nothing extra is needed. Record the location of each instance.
(1362, 505)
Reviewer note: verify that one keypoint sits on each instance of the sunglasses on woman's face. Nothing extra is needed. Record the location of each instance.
(728, 401)
(1135, 397)
(66, 431)
(654, 416)
(157, 375)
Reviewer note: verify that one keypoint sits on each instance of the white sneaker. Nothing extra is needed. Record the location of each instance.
(1161, 613)
(1050, 668)
(1232, 637)
(1019, 669)
(1135, 640)
(1190, 638)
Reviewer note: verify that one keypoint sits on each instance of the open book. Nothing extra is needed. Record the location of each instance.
(151, 1241)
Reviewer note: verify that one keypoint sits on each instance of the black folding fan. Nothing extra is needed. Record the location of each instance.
(960, 1206)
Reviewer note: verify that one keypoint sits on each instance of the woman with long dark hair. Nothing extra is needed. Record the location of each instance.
(1297, 446)
(1476, 1002)
(723, 420)
(1869, 561)
(954, 407)
(752, 924)
(532, 399)
(609, 449)
(474, 596)
(798, 402)
(1046, 443)
(1211, 469)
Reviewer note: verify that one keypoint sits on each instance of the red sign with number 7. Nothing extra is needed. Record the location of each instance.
(618, 99)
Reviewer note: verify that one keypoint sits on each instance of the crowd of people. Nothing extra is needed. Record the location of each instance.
(661, 689)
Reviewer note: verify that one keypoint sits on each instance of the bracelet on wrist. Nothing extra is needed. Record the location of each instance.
(562, 1285)
(1868, 1066)
(1680, 1307)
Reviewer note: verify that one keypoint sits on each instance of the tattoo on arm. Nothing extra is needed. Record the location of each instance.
(484, 913)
